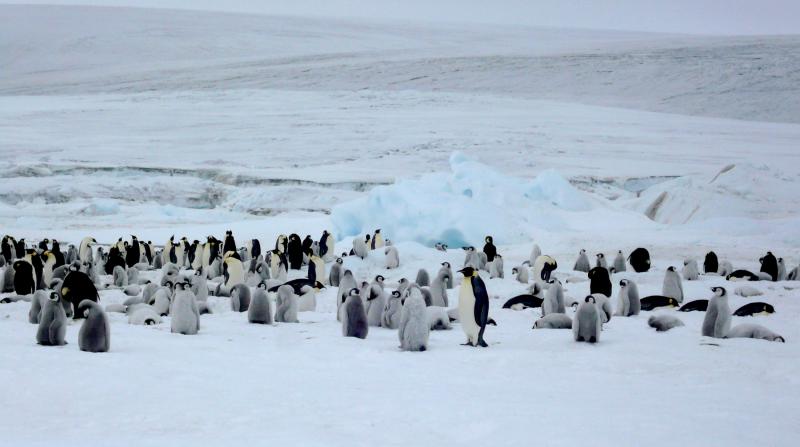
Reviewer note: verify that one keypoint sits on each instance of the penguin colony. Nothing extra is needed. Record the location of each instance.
(64, 284)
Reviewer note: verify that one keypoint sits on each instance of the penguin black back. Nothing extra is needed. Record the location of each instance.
(525, 300)
(489, 249)
(230, 242)
(750, 309)
(599, 281)
(655, 301)
(77, 286)
(711, 264)
(694, 306)
(769, 265)
(639, 259)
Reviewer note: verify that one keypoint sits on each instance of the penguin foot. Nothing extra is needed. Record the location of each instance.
(592, 340)
(482, 344)
(580, 338)
(467, 344)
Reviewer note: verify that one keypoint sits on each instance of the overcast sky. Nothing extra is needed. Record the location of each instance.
(678, 16)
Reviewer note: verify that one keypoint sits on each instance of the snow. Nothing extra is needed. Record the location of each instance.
(119, 121)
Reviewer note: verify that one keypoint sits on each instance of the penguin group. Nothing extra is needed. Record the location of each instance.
(273, 286)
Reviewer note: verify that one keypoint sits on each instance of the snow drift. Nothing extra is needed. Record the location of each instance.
(462, 206)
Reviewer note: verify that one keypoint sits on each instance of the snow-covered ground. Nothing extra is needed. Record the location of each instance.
(155, 122)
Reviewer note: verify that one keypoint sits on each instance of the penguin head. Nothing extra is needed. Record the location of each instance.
(380, 279)
(446, 264)
(685, 262)
(612, 270)
(444, 246)
(583, 251)
(54, 297)
(514, 271)
(168, 284)
(318, 285)
(719, 291)
(229, 233)
(590, 299)
(262, 285)
(623, 283)
(468, 272)
(354, 292)
(488, 239)
(378, 231)
(671, 269)
(619, 251)
(339, 261)
(600, 256)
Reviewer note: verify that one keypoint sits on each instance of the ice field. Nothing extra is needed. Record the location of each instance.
(120, 121)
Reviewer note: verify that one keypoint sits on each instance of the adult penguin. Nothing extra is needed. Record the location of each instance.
(599, 281)
(230, 242)
(639, 260)
(114, 259)
(582, 263)
(193, 255)
(543, 268)
(85, 249)
(20, 248)
(316, 267)
(59, 255)
(133, 255)
(8, 246)
(377, 240)
(254, 248)
(769, 265)
(282, 244)
(473, 307)
(307, 244)
(77, 286)
(43, 244)
(711, 263)
(233, 271)
(489, 249)
(24, 277)
(327, 246)
(295, 252)
(48, 264)
(32, 256)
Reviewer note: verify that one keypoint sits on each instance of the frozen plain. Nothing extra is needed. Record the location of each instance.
(292, 134)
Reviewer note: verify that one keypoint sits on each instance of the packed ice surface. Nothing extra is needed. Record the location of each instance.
(119, 121)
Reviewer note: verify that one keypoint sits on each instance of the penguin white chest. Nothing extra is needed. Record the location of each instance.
(466, 310)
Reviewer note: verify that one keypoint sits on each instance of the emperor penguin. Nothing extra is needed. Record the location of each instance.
(233, 271)
(282, 244)
(168, 254)
(316, 268)
(327, 246)
(769, 265)
(603, 304)
(663, 323)
(48, 264)
(229, 243)
(278, 265)
(120, 277)
(354, 317)
(449, 271)
(37, 303)
(390, 318)
(133, 254)
(376, 302)
(599, 281)
(259, 311)
(377, 240)
(794, 274)
(717, 321)
(536, 252)
(582, 263)
(346, 284)
(543, 268)
(628, 303)
(496, 267)
(240, 298)
(95, 332)
(85, 251)
(781, 269)
(473, 307)
(749, 330)
(423, 279)
(52, 322)
(553, 298)
(392, 258)
(520, 273)
(440, 246)
(286, 305)
(586, 323)
(184, 313)
(336, 272)
(307, 300)
(200, 285)
(295, 252)
(553, 321)
(672, 286)
(360, 248)
(601, 261)
(24, 277)
(438, 289)
(489, 249)
(619, 262)
(414, 328)
(690, 270)
(72, 254)
(471, 258)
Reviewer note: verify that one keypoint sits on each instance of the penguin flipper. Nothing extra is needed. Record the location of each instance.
(481, 301)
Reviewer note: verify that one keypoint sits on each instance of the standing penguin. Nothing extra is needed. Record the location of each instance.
(673, 286)
(520, 273)
(184, 313)
(295, 252)
(438, 289)
(601, 261)
(690, 270)
(639, 260)
(316, 267)
(48, 264)
(52, 322)
(619, 262)
(769, 265)
(496, 267)
(354, 317)
(230, 243)
(85, 251)
(781, 269)
(377, 240)
(553, 299)
(423, 279)
(543, 268)
(360, 248)
(95, 332)
(471, 258)
(581, 264)
(327, 246)
(390, 318)
(536, 252)
(449, 271)
(58, 254)
(586, 324)
(628, 303)
(133, 254)
(473, 307)
(414, 328)
(286, 305)
(711, 263)
(599, 281)
(307, 245)
(259, 311)
(717, 322)
(24, 277)
(233, 271)
(240, 298)
(392, 258)
(346, 283)
(336, 273)
(489, 249)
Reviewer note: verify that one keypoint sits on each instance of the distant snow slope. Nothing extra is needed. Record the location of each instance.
(48, 49)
